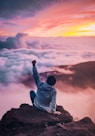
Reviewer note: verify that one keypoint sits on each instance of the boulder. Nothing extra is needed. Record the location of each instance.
(30, 115)
(29, 121)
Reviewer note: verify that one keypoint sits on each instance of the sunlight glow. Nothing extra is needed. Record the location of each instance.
(87, 29)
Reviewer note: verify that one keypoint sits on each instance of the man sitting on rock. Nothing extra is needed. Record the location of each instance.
(45, 98)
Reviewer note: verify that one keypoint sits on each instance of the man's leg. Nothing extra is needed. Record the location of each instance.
(32, 96)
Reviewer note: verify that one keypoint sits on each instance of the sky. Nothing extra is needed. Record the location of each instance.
(54, 32)
(47, 18)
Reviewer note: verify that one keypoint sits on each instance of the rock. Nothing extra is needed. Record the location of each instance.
(30, 115)
(29, 121)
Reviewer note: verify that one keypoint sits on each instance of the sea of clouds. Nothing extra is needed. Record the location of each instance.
(16, 54)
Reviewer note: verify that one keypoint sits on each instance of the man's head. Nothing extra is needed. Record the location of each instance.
(51, 80)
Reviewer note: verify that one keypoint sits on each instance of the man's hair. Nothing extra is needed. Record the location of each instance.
(51, 80)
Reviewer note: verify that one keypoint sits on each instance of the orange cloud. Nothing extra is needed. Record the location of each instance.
(64, 19)
(3, 33)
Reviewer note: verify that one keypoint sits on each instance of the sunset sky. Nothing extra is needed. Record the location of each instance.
(47, 18)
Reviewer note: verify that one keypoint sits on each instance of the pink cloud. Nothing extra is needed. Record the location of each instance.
(64, 71)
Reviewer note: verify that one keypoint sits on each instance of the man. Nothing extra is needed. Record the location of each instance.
(45, 98)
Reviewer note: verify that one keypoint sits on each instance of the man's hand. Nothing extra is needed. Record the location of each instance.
(33, 62)
(57, 112)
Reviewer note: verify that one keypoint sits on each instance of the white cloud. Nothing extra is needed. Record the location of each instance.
(64, 71)
(14, 62)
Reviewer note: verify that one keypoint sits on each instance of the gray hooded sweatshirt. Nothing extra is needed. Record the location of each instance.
(46, 95)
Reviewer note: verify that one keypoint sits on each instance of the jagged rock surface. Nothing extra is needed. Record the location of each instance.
(29, 121)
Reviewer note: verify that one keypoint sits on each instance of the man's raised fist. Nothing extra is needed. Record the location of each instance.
(33, 62)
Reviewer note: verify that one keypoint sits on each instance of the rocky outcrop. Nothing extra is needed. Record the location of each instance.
(29, 121)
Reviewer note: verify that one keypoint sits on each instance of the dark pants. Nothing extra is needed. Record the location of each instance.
(32, 96)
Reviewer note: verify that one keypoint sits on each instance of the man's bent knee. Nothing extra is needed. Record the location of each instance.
(32, 93)
(32, 96)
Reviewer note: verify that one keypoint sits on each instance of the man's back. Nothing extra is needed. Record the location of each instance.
(44, 96)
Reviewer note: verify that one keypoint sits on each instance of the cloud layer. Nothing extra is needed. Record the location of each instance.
(22, 40)
(17, 53)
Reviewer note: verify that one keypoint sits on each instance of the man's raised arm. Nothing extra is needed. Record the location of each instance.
(35, 73)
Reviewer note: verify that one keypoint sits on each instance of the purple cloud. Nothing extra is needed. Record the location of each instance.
(23, 8)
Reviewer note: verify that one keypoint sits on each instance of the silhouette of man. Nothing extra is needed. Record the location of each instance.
(45, 98)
